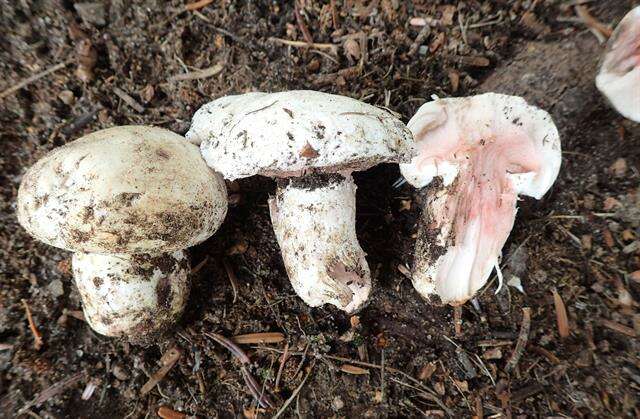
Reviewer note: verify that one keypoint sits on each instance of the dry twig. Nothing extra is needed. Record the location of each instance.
(198, 74)
(301, 44)
(52, 391)
(523, 337)
(283, 360)
(197, 5)
(258, 338)
(232, 279)
(126, 98)
(295, 393)
(33, 78)
(167, 362)
(37, 336)
(599, 30)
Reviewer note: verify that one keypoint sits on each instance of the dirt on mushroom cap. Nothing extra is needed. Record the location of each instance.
(128, 189)
(290, 133)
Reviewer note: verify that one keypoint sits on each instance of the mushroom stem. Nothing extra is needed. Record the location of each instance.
(314, 221)
(136, 295)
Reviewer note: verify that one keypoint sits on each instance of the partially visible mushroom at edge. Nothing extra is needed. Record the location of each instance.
(126, 200)
(476, 154)
(310, 142)
(619, 75)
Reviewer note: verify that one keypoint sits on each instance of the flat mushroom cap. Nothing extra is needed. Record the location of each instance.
(129, 189)
(523, 140)
(619, 75)
(291, 133)
(487, 150)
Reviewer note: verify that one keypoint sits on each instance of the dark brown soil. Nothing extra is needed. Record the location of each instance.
(580, 240)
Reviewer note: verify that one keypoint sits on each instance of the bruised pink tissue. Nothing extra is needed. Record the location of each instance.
(486, 149)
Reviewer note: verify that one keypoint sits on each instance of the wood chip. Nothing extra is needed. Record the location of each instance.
(625, 330)
(547, 354)
(197, 5)
(608, 238)
(427, 371)
(475, 61)
(561, 315)
(308, 152)
(258, 338)
(352, 369)
(128, 99)
(168, 360)
(168, 413)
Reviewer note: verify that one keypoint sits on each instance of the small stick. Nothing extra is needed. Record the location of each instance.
(303, 28)
(167, 362)
(352, 369)
(200, 265)
(37, 344)
(6, 346)
(457, 320)
(294, 394)
(304, 357)
(128, 99)
(523, 337)
(231, 347)
(51, 391)
(232, 278)
(334, 14)
(592, 22)
(197, 5)
(625, 330)
(253, 338)
(382, 375)
(283, 360)
(302, 44)
(254, 388)
(33, 78)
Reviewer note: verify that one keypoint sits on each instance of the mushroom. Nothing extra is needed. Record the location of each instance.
(311, 142)
(478, 154)
(127, 200)
(619, 75)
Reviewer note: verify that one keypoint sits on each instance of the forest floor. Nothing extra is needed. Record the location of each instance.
(579, 247)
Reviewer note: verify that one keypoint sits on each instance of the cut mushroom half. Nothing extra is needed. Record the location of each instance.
(476, 154)
(126, 200)
(311, 142)
(619, 75)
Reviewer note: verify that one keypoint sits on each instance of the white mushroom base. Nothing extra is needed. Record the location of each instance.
(315, 228)
(139, 296)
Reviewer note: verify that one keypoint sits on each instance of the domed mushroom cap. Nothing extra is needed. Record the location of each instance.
(289, 133)
(129, 189)
(619, 75)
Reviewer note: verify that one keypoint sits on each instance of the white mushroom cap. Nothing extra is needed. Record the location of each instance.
(289, 133)
(139, 296)
(619, 76)
(486, 149)
(128, 189)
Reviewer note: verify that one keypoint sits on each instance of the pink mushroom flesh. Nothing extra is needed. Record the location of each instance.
(470, 216)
